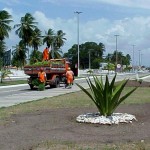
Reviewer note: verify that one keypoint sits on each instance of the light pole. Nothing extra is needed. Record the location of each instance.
(139, 59)
(116, 51)
(77, 12)
(89, 60)
(133, 59)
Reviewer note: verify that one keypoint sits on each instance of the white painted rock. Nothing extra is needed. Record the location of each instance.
(115, 118)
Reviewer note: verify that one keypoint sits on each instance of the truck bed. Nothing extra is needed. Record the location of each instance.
(55, 66)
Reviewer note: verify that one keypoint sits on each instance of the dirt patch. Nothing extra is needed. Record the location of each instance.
(27, 130)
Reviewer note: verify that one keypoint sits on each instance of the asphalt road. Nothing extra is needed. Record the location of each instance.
(12, 95)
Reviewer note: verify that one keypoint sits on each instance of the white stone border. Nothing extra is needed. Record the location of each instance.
(115, 118)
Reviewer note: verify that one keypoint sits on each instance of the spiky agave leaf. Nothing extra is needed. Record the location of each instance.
(95, 95)
(106, 96)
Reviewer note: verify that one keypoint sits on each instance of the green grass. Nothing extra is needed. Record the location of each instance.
(75, 100)
(141, 95)
(12, 82)
(71, 100)
(65, 145)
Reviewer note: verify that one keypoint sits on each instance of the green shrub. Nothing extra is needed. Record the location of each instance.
(90, 71)
(35, 82)
(41, 63)
(41, 87)
(4, 73)
(106, 97)
(140, 81)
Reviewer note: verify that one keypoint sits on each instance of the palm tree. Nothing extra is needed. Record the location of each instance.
(58, 41)
(56, 53)
(26, 28)
(55, 41)
(4, 24)
(4, 29)
(48, 38)
(2, 50)
(36, 56)
(19, 55)
(35, 41)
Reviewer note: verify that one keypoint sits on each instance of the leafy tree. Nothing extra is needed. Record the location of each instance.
(121, 59)
(72, 55)
(95, 50)
(126, 60)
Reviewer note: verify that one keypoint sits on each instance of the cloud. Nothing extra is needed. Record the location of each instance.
(127, 3)
(14, 2)
(131, 30)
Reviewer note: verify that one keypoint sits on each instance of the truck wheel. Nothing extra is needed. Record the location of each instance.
(31, 86)
(57, 83)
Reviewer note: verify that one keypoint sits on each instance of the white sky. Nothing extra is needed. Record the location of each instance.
(99, 22)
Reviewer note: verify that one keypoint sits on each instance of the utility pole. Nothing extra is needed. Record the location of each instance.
(133, 59)
(139, 58)
(89, 60)
(116, 52)
(78, 13)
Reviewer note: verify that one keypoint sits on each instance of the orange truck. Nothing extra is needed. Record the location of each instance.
(55, 70)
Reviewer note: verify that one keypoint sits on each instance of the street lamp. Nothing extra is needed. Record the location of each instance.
(77, 12)
(139, 58)
(90, 58)
(116, 51)
(133, 59)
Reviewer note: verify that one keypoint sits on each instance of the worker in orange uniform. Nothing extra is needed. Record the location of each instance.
(70, 77)
(46, 54)
(42, 76)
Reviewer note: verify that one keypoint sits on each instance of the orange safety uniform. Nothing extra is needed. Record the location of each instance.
(46, 54)
(69, 76)
(42, 76)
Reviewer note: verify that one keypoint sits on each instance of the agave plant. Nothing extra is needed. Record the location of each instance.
(106, 97)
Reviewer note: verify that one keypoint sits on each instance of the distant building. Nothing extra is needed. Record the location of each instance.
(103, 65)
(7, 58)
